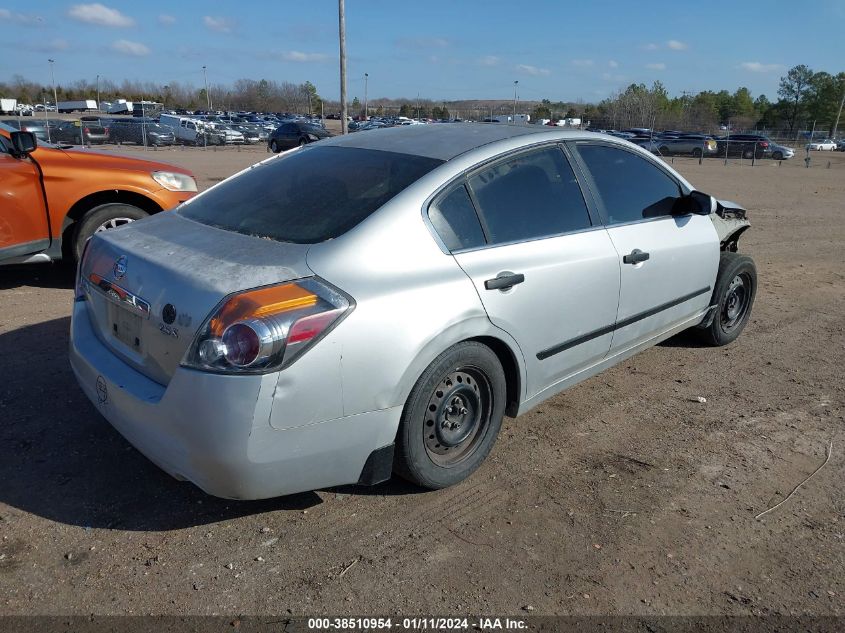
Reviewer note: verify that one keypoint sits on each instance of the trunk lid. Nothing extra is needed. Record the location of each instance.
(152, 283)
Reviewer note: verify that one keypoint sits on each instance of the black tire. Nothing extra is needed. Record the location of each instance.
(664, 151)
(100, 216)
(466, 381)
(778, 155)
(736, 286)
(747, 153)
(303, 141)
(697, 152)
(274, 147)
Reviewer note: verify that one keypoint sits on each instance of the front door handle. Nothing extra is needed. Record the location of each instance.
(636, 256)
(504, 280)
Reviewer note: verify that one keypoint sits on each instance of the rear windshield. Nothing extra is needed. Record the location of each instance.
(310, 196)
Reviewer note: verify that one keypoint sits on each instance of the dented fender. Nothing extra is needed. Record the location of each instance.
(730, 221)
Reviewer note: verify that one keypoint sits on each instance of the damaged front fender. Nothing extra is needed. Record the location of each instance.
(730, 221)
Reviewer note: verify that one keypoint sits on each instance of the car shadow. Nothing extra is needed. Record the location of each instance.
(56, 275)
(59, 459)
(686, 339)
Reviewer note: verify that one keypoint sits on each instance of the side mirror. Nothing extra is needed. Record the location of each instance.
(23, 142)
(695, 202)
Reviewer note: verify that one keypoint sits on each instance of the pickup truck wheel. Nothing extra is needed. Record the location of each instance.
(274, 147)
(103, 218)
(452, 417)
(736, 286)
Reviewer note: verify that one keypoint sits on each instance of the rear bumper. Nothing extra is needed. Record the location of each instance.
(214, 430)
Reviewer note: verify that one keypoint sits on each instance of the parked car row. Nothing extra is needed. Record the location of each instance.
(675, 143)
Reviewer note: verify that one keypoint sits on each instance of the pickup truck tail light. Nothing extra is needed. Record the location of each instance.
(266, 329)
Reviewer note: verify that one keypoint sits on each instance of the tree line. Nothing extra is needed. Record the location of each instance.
(805, 99)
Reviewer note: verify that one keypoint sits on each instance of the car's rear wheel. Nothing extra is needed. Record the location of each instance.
(452, 417)
(664, 150)
(747, 153)
(102, 218)
(274, 147)
(736, 286)
(303, 141)
(778, 155)
(696, 152)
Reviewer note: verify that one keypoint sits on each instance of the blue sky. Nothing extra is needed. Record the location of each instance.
(442, 50)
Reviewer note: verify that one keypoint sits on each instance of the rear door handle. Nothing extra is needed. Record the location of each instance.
(636, 256)
(504, 280)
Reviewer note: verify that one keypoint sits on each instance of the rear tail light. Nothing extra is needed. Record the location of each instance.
(266, 329)
(87, 131)
(105, 130)
(763, 144)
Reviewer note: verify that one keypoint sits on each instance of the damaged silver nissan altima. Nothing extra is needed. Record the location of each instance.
(376, 303)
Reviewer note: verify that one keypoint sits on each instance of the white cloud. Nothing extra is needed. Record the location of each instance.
(489, 60)
(166, 20)
(532, 70)
(21, 18)
(613, 63)
(657, 66)
(298, 56)
(99, 14)
(582, 63)
(757, 67)
(125, 47)
(650, 47)
(675, 45)
(219, 24)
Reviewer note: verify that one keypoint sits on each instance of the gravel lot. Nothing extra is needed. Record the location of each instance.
(624, 495)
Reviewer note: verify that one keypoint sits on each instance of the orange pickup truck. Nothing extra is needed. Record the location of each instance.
(52, 199)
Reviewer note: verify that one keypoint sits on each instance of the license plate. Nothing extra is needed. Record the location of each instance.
(125, 326)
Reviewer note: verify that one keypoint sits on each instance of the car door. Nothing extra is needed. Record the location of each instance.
(544, 268)
(668, 262)
(23, 214)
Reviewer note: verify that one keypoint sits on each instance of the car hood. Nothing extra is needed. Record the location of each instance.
(96, 160)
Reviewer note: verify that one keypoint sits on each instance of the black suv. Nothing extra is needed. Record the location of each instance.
(290, 134)
(744, 145)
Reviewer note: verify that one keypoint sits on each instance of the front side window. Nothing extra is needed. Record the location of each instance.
(630, 187)
(309, 196)
(530, 196)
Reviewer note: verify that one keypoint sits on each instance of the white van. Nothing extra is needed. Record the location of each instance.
(190, 131)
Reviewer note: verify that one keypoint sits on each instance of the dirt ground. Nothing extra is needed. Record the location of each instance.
(624, 495)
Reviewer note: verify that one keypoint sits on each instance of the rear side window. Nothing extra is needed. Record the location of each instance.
(630, 187)
(453, 217)
(530, 196)
(310, 196)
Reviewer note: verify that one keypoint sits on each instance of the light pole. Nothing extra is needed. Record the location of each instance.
(514, 99)
(98, 94)
(53, 79)
(366, 109)
(207, 96)
(166, 90)
(341, 22)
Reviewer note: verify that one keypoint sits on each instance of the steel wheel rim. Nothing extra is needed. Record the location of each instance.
(737, 299)
(457, 416)
(113, 223)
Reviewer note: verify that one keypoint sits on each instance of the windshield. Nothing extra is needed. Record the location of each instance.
(309, 196)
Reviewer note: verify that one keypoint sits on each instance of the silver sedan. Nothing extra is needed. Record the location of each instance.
(376, 303)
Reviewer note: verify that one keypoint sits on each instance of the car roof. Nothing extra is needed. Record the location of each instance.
(445, 141)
